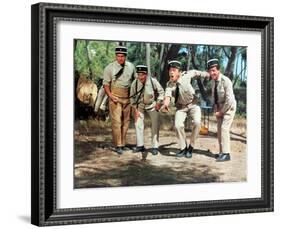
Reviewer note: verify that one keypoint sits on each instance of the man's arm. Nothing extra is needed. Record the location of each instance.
(106, 84)
(197, 74)
(132, 94)
(109, 94)
(229, 96)
(133, 101)
(160, 90)
(160, 96)
(167, 97)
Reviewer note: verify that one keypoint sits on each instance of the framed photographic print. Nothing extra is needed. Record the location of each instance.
(147, 114)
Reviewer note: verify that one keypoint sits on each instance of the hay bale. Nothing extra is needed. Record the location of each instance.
(86, 91)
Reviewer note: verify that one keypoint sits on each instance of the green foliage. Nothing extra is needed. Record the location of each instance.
(80, 58)
(93, 56)
(136, 52)
(241, 108)
(101, 54)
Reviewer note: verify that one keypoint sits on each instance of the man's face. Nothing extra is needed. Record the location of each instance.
(174, 74)
(120, 58)
(214, 73)
(142, 76)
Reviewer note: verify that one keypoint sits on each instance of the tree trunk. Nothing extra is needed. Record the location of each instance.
(91, 75)
(162, 63)
(199, 82)
(172, 54)
(140, 51)
(161, 55)
(230, 64)
(188, 58)
(147, 57)
(107, 48)
(236, 73)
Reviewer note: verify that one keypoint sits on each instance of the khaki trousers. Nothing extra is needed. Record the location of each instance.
(195, 112)
(223, 125)
(139, 125)
(120, 115)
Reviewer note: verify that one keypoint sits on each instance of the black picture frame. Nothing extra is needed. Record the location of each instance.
(44, 210)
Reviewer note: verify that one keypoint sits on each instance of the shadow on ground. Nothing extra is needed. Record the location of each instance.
(137, 173)
(234, 137)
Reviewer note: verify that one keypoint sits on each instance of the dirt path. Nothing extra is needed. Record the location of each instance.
(97, 165)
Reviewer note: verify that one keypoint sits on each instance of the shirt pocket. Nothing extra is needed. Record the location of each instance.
(221, 93)
(187, 91)
(148, 95)
(127, 74)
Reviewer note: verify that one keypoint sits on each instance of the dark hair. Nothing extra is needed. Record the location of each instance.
(212, 63)
(121, 53)
(218, 66)
(174, 67)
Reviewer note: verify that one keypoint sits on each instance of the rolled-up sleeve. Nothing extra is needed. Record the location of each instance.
(107, 78)
(133, 92)
(160, 91)
(197, 74)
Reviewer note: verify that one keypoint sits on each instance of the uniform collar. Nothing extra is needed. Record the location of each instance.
(180, 80)
(141, 82)
(119, 65)
(219, 78)
(146, 81)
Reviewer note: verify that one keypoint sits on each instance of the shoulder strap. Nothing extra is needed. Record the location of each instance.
(155, 90)
(140, 92)
(119, 73)
(153, 87)
(133, 76)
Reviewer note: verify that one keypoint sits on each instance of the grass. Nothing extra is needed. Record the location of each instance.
(99, 127)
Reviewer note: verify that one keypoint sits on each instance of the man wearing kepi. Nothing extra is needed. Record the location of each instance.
(224, 107)
(117, 79)
(146, 96)
(179, 86)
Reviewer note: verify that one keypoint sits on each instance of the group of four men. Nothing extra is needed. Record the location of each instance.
(143, 93)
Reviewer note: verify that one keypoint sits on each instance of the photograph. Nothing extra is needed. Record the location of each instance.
(158, 113)
(144, 114)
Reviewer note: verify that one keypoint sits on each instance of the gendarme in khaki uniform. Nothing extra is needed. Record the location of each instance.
(227, 105)
(119, 79)
(184, 94)
(224, 102)
(144, 97)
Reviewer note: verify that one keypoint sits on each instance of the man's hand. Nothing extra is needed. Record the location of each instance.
(157, 106)
(109, 94)
(215, 108)
(218, 114)
(206, 75)
(166, 102)
(136, 115)
(113, 98)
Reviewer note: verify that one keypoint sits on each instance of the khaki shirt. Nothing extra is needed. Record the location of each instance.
(186, 91)
(125, 80)
(226, 98)
(147, 99)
